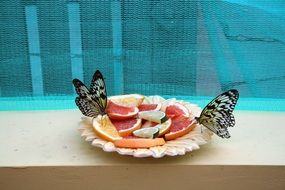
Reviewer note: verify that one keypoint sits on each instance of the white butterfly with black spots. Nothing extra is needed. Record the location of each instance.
(93, 101)
(217, 115)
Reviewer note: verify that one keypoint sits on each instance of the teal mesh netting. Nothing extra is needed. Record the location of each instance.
(178, 48)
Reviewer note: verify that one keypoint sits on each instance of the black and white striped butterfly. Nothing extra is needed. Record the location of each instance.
(93, 101)
(217, 115)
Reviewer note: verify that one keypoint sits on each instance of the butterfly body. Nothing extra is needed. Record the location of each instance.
(217, 115)
(91, 101)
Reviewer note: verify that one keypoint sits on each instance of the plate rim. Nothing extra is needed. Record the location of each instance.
(180, 146)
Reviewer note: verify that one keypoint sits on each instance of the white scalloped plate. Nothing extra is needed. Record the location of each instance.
(187, 143)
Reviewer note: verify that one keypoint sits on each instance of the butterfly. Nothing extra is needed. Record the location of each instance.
(217, 116)
(91, 101)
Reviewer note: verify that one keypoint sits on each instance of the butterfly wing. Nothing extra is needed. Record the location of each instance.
(91, 102)
(216, 127)
(87, 107)
(217, 115)
(98, 90)
(81, 89)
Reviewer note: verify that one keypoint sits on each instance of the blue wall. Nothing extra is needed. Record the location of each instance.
(185, 48)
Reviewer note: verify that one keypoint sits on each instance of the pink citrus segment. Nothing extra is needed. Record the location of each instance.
(179, 123)
(127, 126)
(148, 124)
(131, 136)
(176, 109)
(148, 107)
(116, 111)
(179, 127)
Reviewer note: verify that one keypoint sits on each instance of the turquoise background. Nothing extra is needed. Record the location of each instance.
(191, 50)
(67, 102)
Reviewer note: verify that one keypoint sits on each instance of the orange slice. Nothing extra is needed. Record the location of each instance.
(103, 126)
(179, 127)
(139, 142)
(116, 111)
(176, 109)
(126, 127)
(164, 127)
(130, 100)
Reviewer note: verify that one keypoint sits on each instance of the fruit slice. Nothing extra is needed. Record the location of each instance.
(116, 111)
(147, 107)
(103, 126)
(154, 116)
(139, 142)
(164, 127)
(130, 100)
(179, 127)
(126, 127)
(148, 124)
(148, 132)
(176, 109)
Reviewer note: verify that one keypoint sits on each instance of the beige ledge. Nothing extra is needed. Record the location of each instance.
(44, 150)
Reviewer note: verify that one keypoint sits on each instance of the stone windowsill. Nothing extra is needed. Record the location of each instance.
(43, 150)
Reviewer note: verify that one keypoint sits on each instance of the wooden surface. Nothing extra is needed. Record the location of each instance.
(43, 150)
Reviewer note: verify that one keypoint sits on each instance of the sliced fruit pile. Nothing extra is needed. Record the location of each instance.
(130, 123)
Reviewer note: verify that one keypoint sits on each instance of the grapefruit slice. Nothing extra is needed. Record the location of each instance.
(148, 124)
(154, 116)
(176, 109)
(138, 142)
(148, 107)
(130, 100)
(126, 127)
(116, 111)
(103, 127)
(179, 127)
